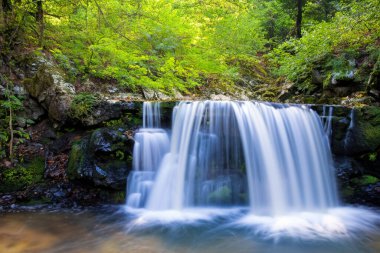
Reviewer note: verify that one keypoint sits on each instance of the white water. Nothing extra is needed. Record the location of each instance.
(326, 117)
(350, 128)
(151, 144)
(274, 159)
(283, 150)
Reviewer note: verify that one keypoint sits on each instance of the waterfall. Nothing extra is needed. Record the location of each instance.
(151, 115)
(327, 116)
(349, 133)
(274, 158)
(151, 144)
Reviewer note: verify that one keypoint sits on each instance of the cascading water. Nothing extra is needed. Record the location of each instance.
(270, 164)
(275, 157)
(327, 116)
(151, 144)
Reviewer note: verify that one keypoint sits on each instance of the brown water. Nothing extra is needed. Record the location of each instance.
(108, 231)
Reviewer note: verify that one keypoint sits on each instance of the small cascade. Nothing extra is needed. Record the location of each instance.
(151, 115)
(205, 151)
(326, 117)
(349, 132)
(151, 144)
(274, 157)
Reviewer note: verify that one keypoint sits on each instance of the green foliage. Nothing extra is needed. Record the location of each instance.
(119, 155)
(220, 196)
(365, 180)
(118, 197)
(10, 104)
(115, 122)
(164, 45)
(372, 156)
(15, 179)
(276, 22)
(175, 45)
(329, 46)
(82, 105)
(76, 159)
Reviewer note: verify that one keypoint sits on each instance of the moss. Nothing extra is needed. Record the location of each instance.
(372, 135)
(134, 119)
(115, 122)
(82, 105)
(16, 179)
(220, 196)
(372, 156)
(347, 192)
(75, 159)
(118, 197)
(365, 180)
(369, 123)
(40, 201)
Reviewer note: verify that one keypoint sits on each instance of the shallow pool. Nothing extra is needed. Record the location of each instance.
(113, 229)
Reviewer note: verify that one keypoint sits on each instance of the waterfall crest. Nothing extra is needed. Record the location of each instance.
(274, 158)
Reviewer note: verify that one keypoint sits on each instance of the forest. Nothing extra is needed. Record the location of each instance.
(174, 45)
(190, 126)
(305, 51)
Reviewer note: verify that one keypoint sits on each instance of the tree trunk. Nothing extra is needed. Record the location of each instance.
(5, 8)
(10, 123)
(1, 14)
(11, 139)
(40, 21)
(299, 18)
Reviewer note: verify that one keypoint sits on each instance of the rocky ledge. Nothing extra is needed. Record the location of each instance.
(79, 146)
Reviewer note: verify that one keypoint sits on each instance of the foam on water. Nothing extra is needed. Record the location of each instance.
(273, 159)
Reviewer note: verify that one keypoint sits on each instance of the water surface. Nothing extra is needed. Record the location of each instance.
(114, 230)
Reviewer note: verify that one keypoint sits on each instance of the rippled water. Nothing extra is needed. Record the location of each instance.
(114, 230)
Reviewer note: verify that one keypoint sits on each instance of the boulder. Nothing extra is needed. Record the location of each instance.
(357, 132)
(105, 110)
(103, 158)
(52, 92)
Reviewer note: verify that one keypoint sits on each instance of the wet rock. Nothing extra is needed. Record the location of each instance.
(104, 111)
(7, 200)
(357, 132)
(56, 167)
(104, 158)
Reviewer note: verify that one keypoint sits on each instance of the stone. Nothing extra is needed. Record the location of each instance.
(149, 94)
(316, 77)
(102, 158)
(53, 93)
(104, 111)
(219, 97)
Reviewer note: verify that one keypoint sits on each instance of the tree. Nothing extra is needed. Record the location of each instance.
(5, 8)
(39, 16)
(299, 19)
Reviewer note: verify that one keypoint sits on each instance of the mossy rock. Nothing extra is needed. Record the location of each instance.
(363, 136)
(365, 180)
(102, 158)
(50, 89)
(369, 125)
(220, 196)
(76, 159)
(22, 176)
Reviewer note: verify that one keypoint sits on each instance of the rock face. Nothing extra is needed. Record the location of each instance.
(355, 144)
(105, 111)
(60, 100)
(104, 158)
(49, 88)
(356, 131)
